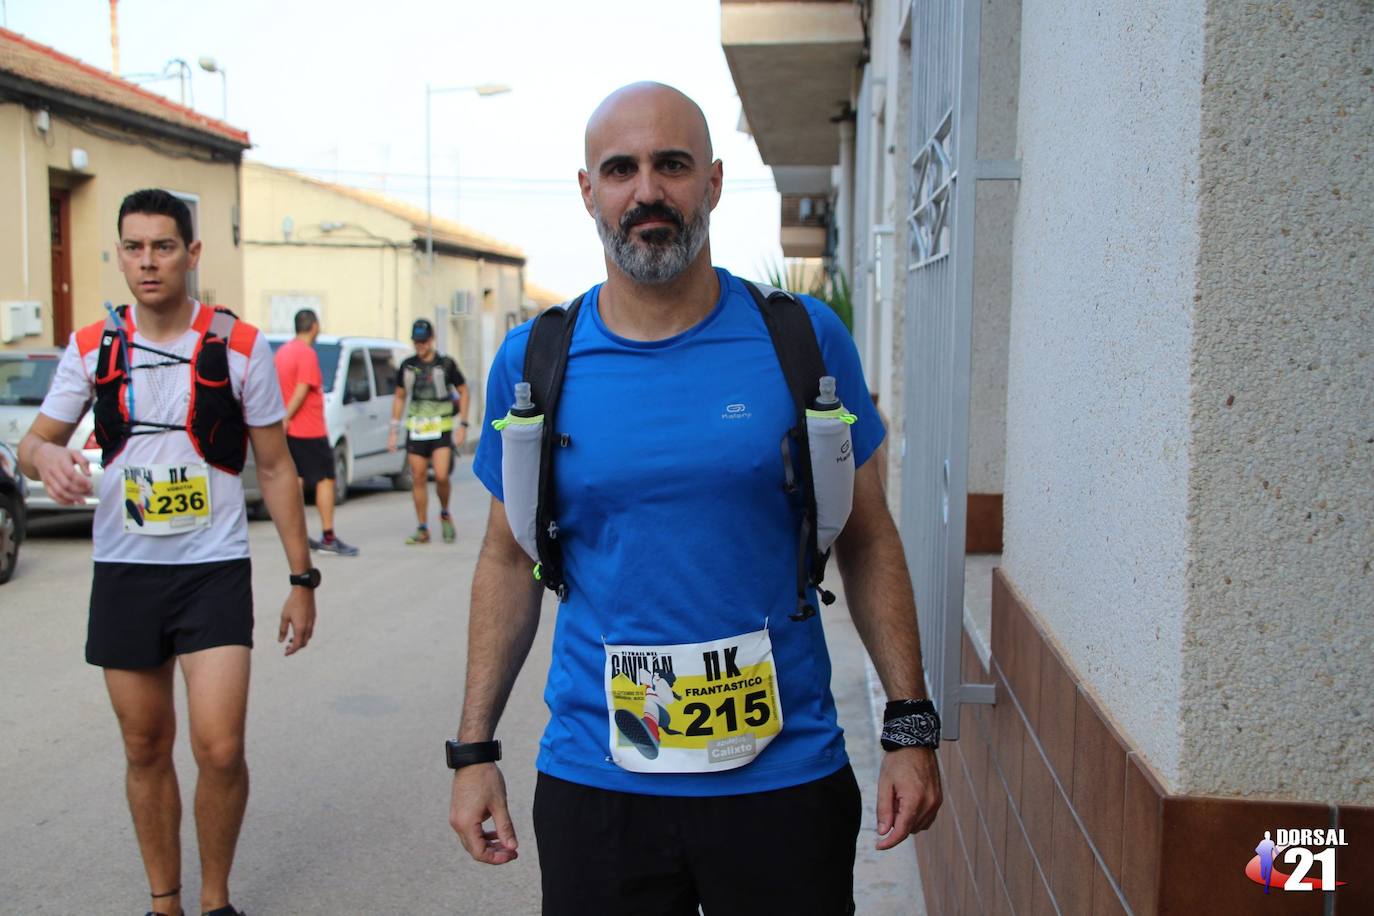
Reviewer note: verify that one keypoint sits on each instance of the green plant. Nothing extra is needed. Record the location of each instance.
(830, 286)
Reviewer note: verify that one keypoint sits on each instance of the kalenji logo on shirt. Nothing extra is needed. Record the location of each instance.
(736, 412)
(1293, 846)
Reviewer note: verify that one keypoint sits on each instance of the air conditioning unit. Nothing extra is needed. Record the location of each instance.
(20, 319)
(461, 303)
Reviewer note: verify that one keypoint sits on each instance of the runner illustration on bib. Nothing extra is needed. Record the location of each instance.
(163, 499)
(692, 708)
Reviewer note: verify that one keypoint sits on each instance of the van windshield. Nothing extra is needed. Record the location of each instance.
(24, 382)
(329, 361)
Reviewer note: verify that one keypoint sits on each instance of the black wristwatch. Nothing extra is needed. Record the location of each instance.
(463, 423)
(309, 579)
(461, 755)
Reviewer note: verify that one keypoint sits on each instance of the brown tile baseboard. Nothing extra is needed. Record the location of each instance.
(1050, 809)
(983, 525)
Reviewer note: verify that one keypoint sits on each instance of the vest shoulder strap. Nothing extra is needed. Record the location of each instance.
(546, 353)
(546, 360)
(799, 354)
(88, 338)
(794, 338)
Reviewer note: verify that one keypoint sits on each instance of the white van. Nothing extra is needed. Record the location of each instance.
(359, 375)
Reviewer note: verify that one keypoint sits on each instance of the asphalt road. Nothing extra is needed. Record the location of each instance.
(349, 806)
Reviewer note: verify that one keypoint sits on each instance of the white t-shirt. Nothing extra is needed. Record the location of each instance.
(161, 395)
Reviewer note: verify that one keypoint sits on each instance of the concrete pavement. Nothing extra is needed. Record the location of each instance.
(349, 807)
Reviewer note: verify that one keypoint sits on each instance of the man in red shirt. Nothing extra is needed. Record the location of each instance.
(298, 369)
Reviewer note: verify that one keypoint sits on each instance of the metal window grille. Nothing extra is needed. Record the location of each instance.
(944, 37)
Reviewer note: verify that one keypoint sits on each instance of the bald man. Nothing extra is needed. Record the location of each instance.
(692, 758)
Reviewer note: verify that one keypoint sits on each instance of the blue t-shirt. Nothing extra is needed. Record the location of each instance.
(675, 526)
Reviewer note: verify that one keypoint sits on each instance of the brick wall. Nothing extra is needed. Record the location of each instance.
(1049, 810)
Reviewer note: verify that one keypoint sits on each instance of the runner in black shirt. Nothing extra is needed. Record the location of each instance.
(436, 410)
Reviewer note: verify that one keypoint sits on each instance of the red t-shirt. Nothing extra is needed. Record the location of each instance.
(297, 364)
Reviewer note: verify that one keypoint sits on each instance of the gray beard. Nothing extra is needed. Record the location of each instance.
(653, 263)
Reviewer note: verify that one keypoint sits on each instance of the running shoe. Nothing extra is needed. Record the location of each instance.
(314, 544)
(421, 536)
(449, 532)
(338, 548)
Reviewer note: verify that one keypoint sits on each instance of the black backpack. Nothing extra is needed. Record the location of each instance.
(799, 354)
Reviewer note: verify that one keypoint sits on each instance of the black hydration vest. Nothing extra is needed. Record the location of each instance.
(799, 354)
(214, 416)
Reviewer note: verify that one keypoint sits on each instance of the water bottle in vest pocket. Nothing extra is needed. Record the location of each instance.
(832, 462)
(522, 431)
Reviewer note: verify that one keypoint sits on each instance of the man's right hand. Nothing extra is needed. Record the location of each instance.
(65, 472)
(479, 794)
(391, 441)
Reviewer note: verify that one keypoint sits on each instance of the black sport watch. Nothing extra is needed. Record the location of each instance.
(309, 579)
(461, 755)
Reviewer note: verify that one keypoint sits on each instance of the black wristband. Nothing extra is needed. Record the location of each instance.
(459, 755)
(895, 708)
(910, 723)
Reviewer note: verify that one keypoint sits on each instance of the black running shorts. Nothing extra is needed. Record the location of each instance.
(786, 851)
(314, 459)
(142, 614)
(426, 448)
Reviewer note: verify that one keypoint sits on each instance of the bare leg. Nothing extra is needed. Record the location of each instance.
(142, 701)
(443, 464)
(217, 695)
(419, 488)
(324, 502)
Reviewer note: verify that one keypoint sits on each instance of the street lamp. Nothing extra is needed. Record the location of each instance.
(482, 89)
(209, 65)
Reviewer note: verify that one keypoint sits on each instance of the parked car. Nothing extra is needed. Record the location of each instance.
(359, 382)
(13, 513)
(25, 376)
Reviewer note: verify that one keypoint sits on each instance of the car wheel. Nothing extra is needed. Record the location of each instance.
(257, 512)
(9, 536)
(404, 480)
(341, 473)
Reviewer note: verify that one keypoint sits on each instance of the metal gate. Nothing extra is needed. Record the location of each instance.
(943, 126)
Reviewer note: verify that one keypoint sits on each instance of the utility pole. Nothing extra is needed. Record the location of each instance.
(114, 36)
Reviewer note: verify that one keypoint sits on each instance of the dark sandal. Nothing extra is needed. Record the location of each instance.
(172, 893)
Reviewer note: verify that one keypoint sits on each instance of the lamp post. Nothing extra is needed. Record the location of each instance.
(210, 65)
(484, 90)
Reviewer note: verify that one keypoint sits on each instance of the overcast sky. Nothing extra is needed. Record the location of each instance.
(338, 89)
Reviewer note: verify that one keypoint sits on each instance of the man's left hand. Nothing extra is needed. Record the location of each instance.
(297, 618)
(460, 435)
(908, 794)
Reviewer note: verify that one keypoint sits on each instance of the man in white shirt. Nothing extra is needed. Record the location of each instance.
(179, 389)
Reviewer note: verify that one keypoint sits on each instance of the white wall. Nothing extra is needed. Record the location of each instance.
(1106, 244)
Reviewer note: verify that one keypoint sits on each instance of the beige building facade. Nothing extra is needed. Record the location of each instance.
(360, 261)
(74, 141)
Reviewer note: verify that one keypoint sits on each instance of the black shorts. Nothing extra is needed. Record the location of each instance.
(142, 613)
(426, 448)
(786, 851)
(314, 459)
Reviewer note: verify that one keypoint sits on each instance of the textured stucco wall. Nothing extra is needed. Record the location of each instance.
(995, 207)
(1104, 261)
(1279, 643)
